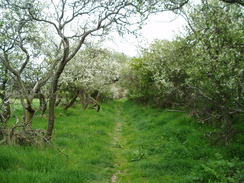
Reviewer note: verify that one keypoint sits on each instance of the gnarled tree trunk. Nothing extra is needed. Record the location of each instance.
(52, 100)
(72, 101)
(43, 103)
(5, 110)
(28, 115)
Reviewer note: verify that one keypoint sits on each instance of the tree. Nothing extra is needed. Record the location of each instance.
(89, 72)
(19, 50)
(158, 77)
(216, 70)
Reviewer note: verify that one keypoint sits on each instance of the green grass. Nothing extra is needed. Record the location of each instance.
(138, 144)
(85, 136)
(170, 147)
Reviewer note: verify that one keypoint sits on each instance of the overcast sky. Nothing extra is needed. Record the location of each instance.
(161, 26)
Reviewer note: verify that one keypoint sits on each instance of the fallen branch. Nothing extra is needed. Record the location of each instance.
(174, 110)
(53, 146)
(26, 135)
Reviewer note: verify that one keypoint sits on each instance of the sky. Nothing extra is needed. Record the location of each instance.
(160, 26)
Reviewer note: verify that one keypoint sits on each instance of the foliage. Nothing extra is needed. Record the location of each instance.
(138, 76)
(159, 75)
(221, 170)
(216, 68)
(202, 71)
(90, 71)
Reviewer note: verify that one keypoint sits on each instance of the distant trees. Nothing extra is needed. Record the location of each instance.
(89, 74)
(203, 70)
(158, 76)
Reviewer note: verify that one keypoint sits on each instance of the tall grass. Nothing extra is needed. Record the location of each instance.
(154, 146)
(85, 136)
(170, 147)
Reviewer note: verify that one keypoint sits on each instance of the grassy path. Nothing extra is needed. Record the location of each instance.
(116, 150)
(155, 146)
(123, 143)
(118, 146)
(139, 146)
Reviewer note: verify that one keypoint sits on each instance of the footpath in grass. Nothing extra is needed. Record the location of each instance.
(123, 143)
(155, 146)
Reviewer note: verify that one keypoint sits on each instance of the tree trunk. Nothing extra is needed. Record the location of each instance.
(5, 110)
(43, 103)
(28, 115)
(72, 101)
(58, 102)
(95, 104)
(98, 95)
(84, 106)
(67, 98)
(85, 101)
(52, 100)
(54, 85)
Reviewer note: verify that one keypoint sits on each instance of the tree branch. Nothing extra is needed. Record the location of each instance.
(240, 2)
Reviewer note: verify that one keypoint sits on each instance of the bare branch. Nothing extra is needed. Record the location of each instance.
(240, 2)
(27, 59)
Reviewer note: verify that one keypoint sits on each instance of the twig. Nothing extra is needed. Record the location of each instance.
(55, 147)
(206, 119)
(174, 110)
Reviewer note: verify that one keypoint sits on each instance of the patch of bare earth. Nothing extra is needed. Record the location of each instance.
(115, 143)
